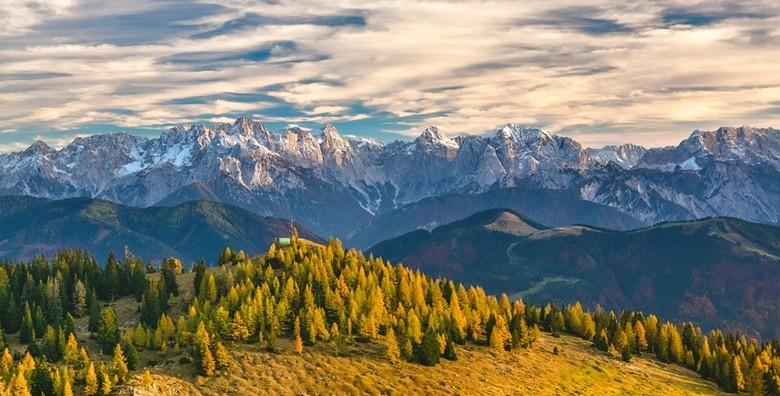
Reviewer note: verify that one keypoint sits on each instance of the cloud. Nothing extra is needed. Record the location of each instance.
(602, 72)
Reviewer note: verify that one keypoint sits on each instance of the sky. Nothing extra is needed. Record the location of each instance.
(603, 72)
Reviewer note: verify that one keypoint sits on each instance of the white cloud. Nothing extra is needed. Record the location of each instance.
(17, 16)
(601, 72)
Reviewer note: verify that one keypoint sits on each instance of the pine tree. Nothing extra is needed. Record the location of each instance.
(221, 357)
(429, 351)
(499, 335)
(200, 272)
(6, 365)
(27, 332)
(626, 353)
(67, 388)
(119, 364)
(207, 364)
(79, 299)
(297, 335)
(105, 384)
(755, 383)
(641, 339)
(238, 329)
(108, 330)
(131, 354)
(449, 351)
(71, 354)
(737, 380)
(170, 268)
(93, 306)
(392, 351)
(18, 386)
(601, 342)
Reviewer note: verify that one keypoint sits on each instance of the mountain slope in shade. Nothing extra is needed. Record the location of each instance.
(190, 231)
(720, 272)
(553, 207)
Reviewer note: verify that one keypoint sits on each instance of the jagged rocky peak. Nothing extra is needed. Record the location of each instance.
(39, 147)
(247, 127)
(626, 155)
(522, 133)
(432, 136)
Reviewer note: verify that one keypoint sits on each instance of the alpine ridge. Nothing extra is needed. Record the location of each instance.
(295, 172)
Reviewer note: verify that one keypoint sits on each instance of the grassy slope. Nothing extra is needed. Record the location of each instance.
(579, 369)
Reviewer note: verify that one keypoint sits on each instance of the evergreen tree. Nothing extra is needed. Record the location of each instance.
(200, 272)
(119, 364)
(79, 299)
(626, 353)
(755, 383)
(449, 351)
(170, 268)
(238, 329)
(392, 351)
(91, 381)
(27, 332)
(737, 381)
(18, 386)
(221, 357)
(429, 351)
(297, 335)
(108, 330)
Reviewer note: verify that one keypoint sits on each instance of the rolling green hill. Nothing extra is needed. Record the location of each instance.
(720, 272)
(190, 231)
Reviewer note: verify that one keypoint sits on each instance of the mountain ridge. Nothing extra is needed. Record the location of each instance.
(293, 172)
(190, 231)
(726, 265)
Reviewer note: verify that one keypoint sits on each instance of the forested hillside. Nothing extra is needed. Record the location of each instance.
(73, 326)
(718, 272)
(190, 231)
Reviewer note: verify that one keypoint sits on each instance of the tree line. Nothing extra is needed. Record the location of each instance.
(309, 294)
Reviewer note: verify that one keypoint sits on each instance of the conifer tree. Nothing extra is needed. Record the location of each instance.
(79, 299)
(755, 383)
(18, 386)
(6, 365)
(392, 351)
(238, 329)
(27, 332)
(429, 351)
(71, 354)
(108, 330)
(207, 364)
(297, 335)
(499, 334)
(221, 357)
(449, 351)
(737, 380)
(119, 364)
(626, 354)
(105, 384)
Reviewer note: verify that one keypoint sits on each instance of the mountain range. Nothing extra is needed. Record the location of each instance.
(336, 186)
(719, 272)
(190, 231)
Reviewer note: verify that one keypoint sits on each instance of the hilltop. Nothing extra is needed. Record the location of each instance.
(719, 272)
(190, 231)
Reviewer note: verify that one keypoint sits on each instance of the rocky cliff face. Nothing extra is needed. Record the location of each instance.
(336, 184)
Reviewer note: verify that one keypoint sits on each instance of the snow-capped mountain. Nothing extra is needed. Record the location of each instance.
(334, 184)
(626, 155)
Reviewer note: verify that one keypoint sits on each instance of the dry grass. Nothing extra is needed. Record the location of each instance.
(577, 370)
